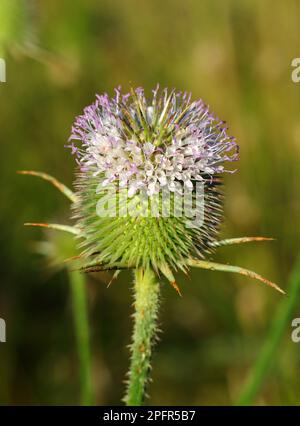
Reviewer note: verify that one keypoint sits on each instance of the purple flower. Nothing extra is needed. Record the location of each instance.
(166, 141)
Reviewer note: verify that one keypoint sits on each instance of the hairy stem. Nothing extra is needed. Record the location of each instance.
(146, 293)
(81, 325)
(267, 356)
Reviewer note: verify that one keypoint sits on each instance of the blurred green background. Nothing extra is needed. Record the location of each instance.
(234, 54)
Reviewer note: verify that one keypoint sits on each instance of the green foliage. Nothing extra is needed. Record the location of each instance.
(269, 350)
(14, 23)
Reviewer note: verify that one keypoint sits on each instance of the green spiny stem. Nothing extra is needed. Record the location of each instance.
(267, 356)
(146, 293)
(77, 282)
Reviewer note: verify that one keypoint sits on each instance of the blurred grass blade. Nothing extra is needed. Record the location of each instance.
(235, 269)
(81, 324)
(231, 241)
(280, 324)
(60, 186)
(56, 226)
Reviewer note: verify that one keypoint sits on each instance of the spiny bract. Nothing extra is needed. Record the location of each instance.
(132, 151)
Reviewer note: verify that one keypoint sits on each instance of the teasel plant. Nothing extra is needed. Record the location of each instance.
(130, 150)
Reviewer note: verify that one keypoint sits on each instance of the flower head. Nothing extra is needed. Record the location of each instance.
(139, 146)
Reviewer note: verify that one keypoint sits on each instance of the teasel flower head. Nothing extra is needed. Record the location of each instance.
(141, 153)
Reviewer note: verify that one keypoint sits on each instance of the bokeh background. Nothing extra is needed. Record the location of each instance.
(234, 54)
